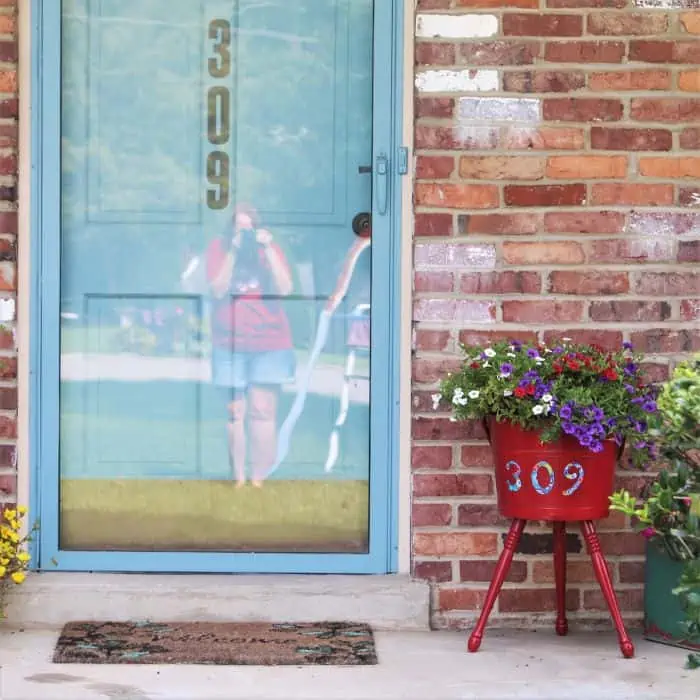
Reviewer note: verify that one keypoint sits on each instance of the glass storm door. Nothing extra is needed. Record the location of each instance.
(215, 404)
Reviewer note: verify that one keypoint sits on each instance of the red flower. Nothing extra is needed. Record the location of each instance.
(610, 374)
(531, 390)
(572, 364)
(558, 368)
(475, 365)
(519, 392)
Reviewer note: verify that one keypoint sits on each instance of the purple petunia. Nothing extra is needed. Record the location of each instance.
(627, 345)
(630, 369)
(598, 430)
(586, 440)
(506, 369)
(649, 406)
(596, 447)
(565, 412)
(533, 353)
(629, 388)
(568, 428)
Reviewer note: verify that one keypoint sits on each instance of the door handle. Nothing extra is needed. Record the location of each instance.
(382, 183)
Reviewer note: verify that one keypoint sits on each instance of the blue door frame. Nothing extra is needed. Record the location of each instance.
(44, 339)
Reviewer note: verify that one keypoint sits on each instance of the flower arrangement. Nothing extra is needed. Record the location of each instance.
(669, 512)
(565, 389)
(14, 558)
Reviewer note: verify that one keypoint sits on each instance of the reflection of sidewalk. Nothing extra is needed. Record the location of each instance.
(326, 379)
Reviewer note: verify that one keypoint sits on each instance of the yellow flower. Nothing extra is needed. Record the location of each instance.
(18, 577)
(23, 557)
(4, 561)
(3, 571)
(10, 514)
(22, 510)
(14, 524)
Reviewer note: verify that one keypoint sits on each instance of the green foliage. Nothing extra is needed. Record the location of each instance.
(578, 390)
(688, 591)
(669, 513)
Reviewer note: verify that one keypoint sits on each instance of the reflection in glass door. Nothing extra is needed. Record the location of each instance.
(215, 275)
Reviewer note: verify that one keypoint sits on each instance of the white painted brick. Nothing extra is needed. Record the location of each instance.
(7, 310)
(457, 81)
(668, 4)
(456, 26)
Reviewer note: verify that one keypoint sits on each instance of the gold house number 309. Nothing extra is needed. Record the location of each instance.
(219, 116)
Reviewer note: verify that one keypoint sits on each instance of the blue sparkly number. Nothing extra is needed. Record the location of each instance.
(542, 490)
(574, 472)
(515, 470)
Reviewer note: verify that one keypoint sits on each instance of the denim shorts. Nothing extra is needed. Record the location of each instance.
(233, 369)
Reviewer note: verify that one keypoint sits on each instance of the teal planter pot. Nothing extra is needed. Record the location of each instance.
(662, 610)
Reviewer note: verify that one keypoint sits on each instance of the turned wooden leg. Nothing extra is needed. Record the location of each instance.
(562, 626)
(603, 576)
(516, 530)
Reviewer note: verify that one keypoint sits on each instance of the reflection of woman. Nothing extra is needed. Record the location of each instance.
(252, 342)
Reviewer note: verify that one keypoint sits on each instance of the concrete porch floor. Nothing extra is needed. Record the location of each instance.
(416, 665)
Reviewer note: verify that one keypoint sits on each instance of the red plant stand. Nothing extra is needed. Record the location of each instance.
(601, 572)
(556, 482)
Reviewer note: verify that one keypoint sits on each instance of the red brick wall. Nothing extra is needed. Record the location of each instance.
(8, 246)
(557, 189)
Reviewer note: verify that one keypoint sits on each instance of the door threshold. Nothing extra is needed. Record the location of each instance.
(388, 602)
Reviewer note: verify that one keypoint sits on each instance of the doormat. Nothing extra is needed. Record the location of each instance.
(217, 643)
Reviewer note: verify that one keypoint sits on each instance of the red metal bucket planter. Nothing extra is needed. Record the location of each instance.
(558, 482)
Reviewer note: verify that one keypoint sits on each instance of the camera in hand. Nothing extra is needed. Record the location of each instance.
(248, 249)
(248, 239)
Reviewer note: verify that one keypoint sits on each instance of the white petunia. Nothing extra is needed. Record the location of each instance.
(436, 401)
(473, 394)
(489, 352)
(486, 364)
(510, 354)
(507, 392)
(539, 360)
(458, 398)
(547, 398)
(538, 410)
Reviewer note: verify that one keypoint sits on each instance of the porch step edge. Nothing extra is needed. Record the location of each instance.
(49, 600)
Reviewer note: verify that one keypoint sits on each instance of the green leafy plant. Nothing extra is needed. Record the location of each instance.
(564, 389)
(668, 513)
(688, 590)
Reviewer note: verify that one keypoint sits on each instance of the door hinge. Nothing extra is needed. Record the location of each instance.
(402, 161)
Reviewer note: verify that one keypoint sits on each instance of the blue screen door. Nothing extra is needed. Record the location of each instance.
(215, 318)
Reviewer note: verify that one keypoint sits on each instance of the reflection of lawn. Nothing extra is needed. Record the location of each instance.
(177, 430)
(108, 339)
(175, 515)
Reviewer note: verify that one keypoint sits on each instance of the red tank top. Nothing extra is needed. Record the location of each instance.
(250, 318)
